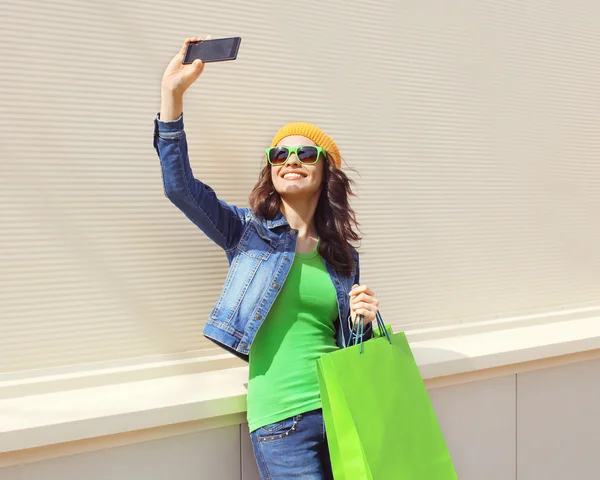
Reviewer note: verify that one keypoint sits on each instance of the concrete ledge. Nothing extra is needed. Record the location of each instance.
(32, 421)
(467, 353)
(38, 420)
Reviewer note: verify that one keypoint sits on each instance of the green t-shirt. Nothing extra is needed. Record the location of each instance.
(297, 331)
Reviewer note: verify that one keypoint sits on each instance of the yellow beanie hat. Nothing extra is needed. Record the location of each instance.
(316, 135)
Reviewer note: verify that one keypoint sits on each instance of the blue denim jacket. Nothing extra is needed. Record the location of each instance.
(260, 252)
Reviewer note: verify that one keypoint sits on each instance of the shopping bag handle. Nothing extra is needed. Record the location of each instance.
(381, 325)
(358, 337)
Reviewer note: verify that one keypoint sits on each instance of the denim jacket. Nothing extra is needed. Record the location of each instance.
(260, 251)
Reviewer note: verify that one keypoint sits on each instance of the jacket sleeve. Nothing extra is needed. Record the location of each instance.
(221, 222)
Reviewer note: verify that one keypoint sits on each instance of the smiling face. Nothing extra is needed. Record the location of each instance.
(294, 178)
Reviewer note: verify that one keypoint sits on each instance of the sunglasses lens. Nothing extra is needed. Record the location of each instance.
(278, 155)
(308, 154)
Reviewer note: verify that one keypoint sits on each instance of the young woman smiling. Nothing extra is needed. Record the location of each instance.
(292, 291)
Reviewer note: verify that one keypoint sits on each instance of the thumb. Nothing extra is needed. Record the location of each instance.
(197, 67)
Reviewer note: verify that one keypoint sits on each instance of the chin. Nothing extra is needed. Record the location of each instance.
(293, 191)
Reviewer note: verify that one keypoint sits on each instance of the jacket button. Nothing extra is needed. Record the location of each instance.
(286, 259)
(243, 346)
(337, 282)
(276, 286)
(258, 316)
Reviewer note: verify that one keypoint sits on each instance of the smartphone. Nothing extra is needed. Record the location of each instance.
(217, 50)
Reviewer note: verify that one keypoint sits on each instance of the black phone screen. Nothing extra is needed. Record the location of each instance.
(217, 50)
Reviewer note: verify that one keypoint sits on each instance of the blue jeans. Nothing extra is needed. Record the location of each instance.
(294, 448)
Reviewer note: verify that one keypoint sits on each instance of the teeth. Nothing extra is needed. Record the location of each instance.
(292, 175)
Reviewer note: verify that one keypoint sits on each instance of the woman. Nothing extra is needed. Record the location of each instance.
(292, 291)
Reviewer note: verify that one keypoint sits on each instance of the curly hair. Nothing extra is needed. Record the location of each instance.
(335, 220)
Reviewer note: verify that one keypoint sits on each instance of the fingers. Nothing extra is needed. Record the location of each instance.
(363, 294)
(197, 66)
(193, 40)
(362, 307)
(185, 46)
(357, 289)
(363, 297)
(363, 302)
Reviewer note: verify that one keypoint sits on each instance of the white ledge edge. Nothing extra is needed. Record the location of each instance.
(50, 418)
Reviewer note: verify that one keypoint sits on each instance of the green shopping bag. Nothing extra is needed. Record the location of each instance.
(379, 419)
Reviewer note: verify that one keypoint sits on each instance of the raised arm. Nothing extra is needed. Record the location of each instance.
(221, 222)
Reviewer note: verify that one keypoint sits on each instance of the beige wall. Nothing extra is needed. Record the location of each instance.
(473, 126)
(559, 423)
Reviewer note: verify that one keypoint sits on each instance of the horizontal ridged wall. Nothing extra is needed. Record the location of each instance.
(473, 127)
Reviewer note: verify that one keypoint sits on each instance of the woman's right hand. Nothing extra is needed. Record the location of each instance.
(179, 77)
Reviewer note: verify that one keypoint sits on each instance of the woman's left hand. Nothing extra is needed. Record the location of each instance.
(363, 302)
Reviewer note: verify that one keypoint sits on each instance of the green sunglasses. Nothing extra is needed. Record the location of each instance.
(308, 155)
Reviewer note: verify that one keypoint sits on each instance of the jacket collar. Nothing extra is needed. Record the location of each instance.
(278, 221)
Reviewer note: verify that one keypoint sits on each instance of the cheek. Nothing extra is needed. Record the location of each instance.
(275, 178)
(319, 174)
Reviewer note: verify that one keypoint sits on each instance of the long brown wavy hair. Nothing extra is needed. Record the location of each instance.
(335, 220)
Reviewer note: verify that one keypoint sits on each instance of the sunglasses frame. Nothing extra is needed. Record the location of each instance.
(294, 150)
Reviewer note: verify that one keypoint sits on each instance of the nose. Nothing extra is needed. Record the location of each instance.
(293, 160)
